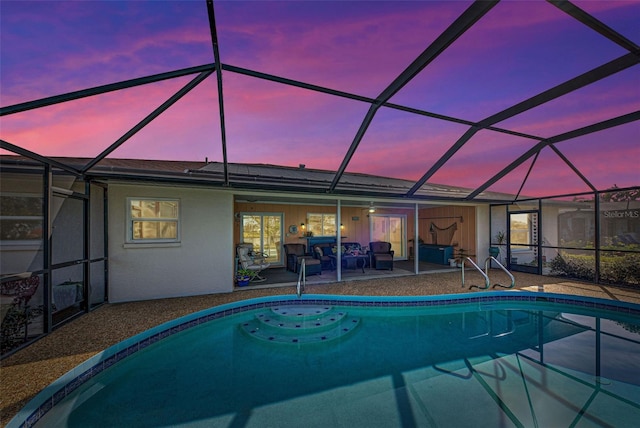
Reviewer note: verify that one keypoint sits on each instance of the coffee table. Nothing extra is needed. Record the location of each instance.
(351, 261)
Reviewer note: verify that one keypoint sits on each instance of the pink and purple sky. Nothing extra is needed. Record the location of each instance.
(517, 50)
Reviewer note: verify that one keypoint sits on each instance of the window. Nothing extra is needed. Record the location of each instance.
(524, 231)
(153, 220)
(321, 224)
(20, 217)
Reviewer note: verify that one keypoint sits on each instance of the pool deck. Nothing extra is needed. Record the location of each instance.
(28, 371)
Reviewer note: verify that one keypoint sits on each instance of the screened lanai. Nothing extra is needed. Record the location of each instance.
(528, 109)
(528, 98)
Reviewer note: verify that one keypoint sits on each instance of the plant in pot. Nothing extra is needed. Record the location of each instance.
(412, 247)
(460, 255)
(501, 239)
(244, 276)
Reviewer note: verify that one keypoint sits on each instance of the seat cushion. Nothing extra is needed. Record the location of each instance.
(311, 266)
(384, 261)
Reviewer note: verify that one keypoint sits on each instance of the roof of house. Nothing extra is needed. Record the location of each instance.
(255, 177)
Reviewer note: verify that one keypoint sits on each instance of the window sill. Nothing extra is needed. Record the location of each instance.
(21, 245)
(139, 245)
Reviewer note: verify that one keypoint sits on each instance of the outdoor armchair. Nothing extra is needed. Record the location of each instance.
(294, 253)
(381, 255)
(251, 261)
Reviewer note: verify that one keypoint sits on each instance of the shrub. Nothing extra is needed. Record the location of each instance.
(574, 266)
(622, 269)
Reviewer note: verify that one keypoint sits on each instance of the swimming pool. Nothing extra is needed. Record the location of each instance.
(502, 358)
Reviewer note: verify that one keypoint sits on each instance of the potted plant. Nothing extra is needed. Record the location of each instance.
(412, 247)
(500, 240)
(244, 276)
(461, 254)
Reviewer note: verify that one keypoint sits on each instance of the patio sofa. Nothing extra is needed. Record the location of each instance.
(322, 253)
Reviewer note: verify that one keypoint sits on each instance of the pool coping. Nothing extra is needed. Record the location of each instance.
(66, 384)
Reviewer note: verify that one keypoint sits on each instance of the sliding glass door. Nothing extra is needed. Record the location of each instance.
(390, 228)
(264, 231)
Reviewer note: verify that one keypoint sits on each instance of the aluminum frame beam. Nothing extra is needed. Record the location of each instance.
(216, 57)
(601, 28)
(465, 21)
(600, 126)
(42, 159)
(97, 90)
(570, 85)
(144, 122)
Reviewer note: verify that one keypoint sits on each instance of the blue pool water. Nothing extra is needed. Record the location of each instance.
(350, 362)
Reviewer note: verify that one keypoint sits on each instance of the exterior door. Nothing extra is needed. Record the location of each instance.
(523, 241)
(390, 228)
(264, 231)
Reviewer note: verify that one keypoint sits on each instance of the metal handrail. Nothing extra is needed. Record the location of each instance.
(486, 278)
(302, 277)
(486, 269)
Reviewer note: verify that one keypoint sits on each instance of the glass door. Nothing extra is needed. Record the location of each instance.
(523, 241)
(264, 231)
(390, 228)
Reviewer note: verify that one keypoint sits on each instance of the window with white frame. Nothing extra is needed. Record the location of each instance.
(321, 224)
(20, 217)
(153, 220)
(524, 231)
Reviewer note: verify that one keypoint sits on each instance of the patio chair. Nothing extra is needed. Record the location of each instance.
(16, 315)
(252, 261)
(294, 253)
(381, 255)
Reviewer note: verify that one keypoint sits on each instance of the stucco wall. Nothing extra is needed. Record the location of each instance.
(200, 264)
(483, 240)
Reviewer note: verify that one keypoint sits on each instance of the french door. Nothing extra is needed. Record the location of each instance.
(390, 228)
(264, 231)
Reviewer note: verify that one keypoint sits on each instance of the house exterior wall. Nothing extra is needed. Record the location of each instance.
(200, 263)
(483, 240)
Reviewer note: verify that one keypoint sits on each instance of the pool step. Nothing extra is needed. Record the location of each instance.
(300, 324)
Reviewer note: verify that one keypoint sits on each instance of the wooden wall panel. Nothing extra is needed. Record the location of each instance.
(442, 217)
(354, 219)
(357, 230)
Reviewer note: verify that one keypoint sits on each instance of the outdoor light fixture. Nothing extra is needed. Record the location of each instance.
(302, 226)
(341, 226)
(372, 209)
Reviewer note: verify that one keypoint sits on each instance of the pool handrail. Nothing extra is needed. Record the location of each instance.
(302, 277)
(486, 277)
(486, 269)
